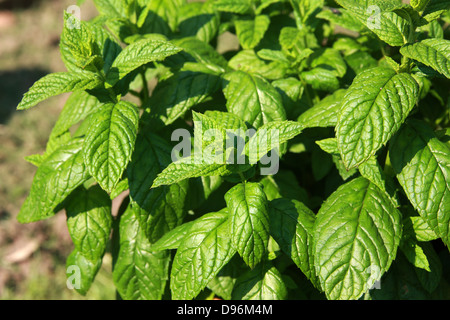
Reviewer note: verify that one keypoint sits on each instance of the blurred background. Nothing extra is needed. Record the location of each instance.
(32, 256)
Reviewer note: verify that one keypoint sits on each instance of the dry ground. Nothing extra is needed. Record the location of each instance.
(32, 256)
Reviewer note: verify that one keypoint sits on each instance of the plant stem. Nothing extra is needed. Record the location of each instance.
(405, 65)
(145, 92)
(241, 175)
(297, 15)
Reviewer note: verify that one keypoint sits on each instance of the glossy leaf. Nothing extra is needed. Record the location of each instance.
(81, 272)
(235, 6)
(324, 113)
(356, 235)
(247, 205)
(250, 32)
(264, 282)
(422, 164)
(208, 240)
(291, 225)
(173, 238)
(372, 110)
(162, 209)
(60, 173)
(137, 54)
(138, 273)
(110, 142)
(253, 99)
(89, 221)
(378, 17)
(77, 43)
(434, 53)
(172, 98)
(57, 83)
(271, 136)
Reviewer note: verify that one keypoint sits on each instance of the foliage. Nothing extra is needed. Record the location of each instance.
(358, 121)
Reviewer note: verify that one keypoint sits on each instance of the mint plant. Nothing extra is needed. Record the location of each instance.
(312, 162)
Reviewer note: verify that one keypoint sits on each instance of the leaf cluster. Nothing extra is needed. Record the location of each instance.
(357, 204)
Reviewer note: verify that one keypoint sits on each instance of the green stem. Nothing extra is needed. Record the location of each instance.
(306, 92)
(297, 15)
(145, 92)
(241, 175)
(405, 65)
(134, 93)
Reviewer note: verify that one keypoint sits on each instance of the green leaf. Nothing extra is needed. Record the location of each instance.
(329, 145)
(291, 90)
(264, 282)
(138, 54)
(223, 283)
(251, 32)
(109, 49)
(422, 230)
(110, 142)
(188, 168)
(422, 164)
(372, 171)
(300, 41)
(209, 135)
(271, 136)
(360, 61)
(341, 17)
(378, 17)
(176, 95)
(330, 59)
(81, 271)
(435, 8)
(321, 79)
(226, 120)
(419, 5)
(195, 50)
(208, 158)
(60, 173)
(57, 83)
(429, 279)
(77, 44)
(139, 273)
(112, 8)
(283, 185)
(434, 53)
(433, 29)
(324, 113)
(159, 16)
(199, 20)
(414, 253)
(248, 61)
(273, 55)
(162, 209)
(234, 6)
(253, 99)
(173, 238)
(200, 256)
(264, 4)
(89, 221)
(78, 106)
(356, 235)
(87, 45)
(291, 225)
(372, 110)
(247, 205)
